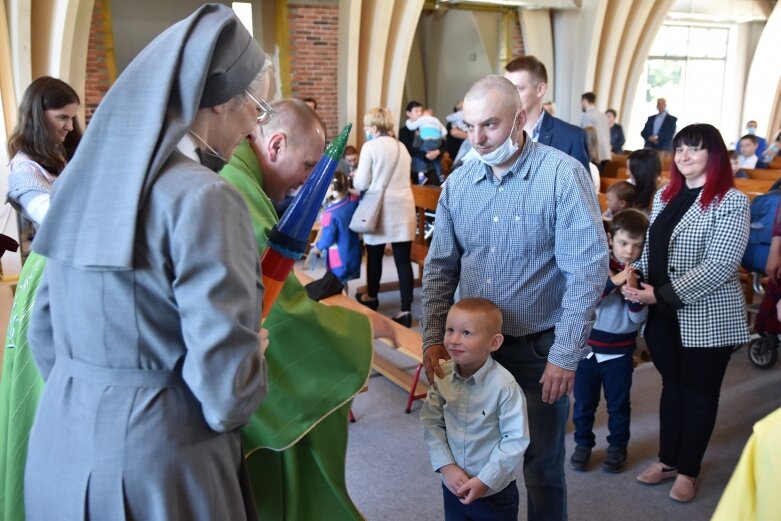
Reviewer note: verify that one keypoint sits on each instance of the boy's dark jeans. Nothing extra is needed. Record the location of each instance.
(497, 507)
(616, 377)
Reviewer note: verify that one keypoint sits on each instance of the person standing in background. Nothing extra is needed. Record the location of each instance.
(530, 77)
(617, 138)
(592, 117)
(660, 128)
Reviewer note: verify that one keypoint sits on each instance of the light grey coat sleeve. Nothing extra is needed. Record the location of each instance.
(40, 333)
(217, 292)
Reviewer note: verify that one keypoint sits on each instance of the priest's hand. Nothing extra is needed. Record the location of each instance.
(382, 327)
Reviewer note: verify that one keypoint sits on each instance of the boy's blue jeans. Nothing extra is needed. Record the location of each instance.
(543, 462)
(615, 376)
(502, 506)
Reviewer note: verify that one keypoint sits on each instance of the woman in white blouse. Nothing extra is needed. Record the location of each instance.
(384, 165)
(45, 138)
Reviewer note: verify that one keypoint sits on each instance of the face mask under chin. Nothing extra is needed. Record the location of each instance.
(503, 152)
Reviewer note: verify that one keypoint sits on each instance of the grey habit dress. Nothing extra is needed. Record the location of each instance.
(145, 324)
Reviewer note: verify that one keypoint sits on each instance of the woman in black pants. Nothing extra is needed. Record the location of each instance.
(699, 230)
(384, 165)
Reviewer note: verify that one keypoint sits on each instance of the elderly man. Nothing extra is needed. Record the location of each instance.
(328, 347)
(520, 226)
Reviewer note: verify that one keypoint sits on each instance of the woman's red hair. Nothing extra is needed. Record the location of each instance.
(718, 171)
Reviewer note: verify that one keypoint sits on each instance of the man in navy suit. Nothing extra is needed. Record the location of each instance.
(660, 128)
(530, 77)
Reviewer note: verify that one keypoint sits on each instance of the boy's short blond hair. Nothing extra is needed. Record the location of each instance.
(488, 309)
(379, 117)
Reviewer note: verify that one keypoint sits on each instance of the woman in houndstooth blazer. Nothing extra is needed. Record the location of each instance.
(699, 230)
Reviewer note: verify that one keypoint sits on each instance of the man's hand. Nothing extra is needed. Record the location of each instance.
(431, 358)
(432, 154)
(653, 139)
(472, 490)
(556, 382)
(454, 477)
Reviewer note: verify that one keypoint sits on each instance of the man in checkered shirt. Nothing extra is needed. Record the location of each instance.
(519, 224)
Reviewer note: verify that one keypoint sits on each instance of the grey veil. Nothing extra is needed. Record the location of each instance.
(202, 61)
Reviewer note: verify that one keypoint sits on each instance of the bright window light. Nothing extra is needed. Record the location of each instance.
(244, 11)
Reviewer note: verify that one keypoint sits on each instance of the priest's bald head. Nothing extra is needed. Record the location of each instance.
(288, 147)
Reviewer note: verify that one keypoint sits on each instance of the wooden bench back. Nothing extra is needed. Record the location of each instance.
(765, 174)
(426, 199)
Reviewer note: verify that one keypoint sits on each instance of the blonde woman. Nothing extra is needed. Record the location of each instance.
(384, 165)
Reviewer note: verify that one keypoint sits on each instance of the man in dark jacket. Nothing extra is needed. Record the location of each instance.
(530, 77)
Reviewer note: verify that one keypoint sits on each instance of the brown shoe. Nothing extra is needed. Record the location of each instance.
(656, 473)
(684, 489)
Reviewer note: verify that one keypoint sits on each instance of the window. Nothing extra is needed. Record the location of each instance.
(686, 66)
(243, 11)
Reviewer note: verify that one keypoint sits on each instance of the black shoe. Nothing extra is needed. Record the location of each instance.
(579, 459)
(616, 457)
(404, 318)
(372, 304)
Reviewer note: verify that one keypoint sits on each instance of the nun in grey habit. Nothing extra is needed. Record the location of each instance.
(145, 326)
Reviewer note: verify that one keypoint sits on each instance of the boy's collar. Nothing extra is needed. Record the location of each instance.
(479, 375)
(615, 264)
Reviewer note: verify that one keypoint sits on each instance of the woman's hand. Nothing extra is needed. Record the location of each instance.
(643, 295)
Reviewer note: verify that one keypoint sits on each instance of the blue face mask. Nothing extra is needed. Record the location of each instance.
(751, 131)
(369, 135)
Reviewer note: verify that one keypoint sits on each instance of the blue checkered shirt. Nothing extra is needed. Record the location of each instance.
(532, 242)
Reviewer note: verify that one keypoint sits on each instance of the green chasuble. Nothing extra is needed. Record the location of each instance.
(318, 358)
(20, 389)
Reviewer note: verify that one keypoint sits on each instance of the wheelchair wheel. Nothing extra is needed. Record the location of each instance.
(763, 352)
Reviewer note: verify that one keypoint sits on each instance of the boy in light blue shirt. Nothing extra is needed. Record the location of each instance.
(475, 418)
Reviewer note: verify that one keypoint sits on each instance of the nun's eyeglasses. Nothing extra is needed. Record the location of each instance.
(265, 111)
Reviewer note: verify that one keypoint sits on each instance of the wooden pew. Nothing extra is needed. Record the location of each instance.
(612, 166)
(605, 182)
(426, 199)
(602, 201)
(623, 173)
(765, 174)
(761, 186)
(410, 343)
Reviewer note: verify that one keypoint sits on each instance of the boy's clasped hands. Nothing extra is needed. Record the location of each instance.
(631, 289)
(459, 483)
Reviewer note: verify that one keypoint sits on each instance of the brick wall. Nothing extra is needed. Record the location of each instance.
(97, 77)
(515, 36)
(314, 31)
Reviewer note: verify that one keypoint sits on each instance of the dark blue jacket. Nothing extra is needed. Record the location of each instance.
(565, 137)
(666, 133)
(344, 261)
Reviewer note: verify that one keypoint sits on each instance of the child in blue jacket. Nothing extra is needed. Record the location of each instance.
(341, 244)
